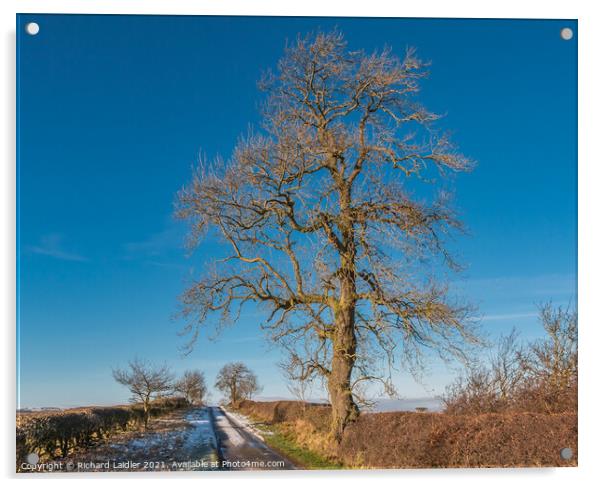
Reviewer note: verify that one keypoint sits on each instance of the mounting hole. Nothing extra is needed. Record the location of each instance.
(32, 28)
(33, 458)
(566, 33)
(566, 453)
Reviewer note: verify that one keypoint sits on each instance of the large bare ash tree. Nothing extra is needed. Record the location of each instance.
(335, 214)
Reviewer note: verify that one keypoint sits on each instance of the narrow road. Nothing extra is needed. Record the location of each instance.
(240, 449)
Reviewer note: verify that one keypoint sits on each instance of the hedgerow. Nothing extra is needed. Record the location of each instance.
(55, 435)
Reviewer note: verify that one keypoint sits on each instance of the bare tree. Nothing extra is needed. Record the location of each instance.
(237, 382)
(335, 214)
(297, 386)
(537, 376)
(192, 386)
(490, 385)
(507, 374)
(554, 358)
(551, 363)
(146, 382)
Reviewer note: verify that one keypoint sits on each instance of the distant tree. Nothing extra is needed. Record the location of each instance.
(237, 382)
(335, 214)
(192, 386)
(146, 382)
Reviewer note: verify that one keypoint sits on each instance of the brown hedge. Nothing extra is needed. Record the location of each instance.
(54, 435)
(284, 411)
(426, 440)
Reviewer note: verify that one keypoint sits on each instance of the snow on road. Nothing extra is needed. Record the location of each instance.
(228, 428)
(241, 445)
(244, 423)
(185, 440)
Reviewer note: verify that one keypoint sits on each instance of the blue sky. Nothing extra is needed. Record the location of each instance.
(113, 112)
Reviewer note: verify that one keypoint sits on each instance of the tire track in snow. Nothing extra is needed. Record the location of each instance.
(241, 449)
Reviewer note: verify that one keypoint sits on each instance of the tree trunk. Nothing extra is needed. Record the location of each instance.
(234, 394)
(146, 414)
(344, 409)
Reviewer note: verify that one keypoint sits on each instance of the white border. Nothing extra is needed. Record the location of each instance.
(590, 241)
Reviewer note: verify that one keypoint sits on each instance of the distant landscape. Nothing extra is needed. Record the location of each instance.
(380, 406)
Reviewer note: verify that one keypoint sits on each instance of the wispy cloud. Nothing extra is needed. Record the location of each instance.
(508, 316)
(247, 339)
(52, 246)
(156, 244)
(547, 285)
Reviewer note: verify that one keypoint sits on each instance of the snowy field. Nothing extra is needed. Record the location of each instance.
(179, 442)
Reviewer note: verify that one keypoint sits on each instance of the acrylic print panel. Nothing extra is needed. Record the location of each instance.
(295, 243)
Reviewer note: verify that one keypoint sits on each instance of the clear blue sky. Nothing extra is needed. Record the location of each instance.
(114, 110)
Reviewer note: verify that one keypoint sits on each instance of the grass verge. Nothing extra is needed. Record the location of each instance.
(285, 444)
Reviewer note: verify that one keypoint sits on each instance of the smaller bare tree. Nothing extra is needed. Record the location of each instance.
(553, 358)
(192, 386)
(507, 374)
(538, 376)
(146, 382)
(551, 363)
(237, 382)
(298, 386)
